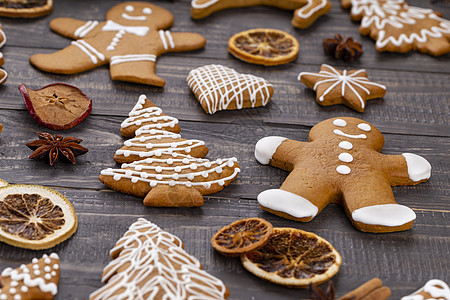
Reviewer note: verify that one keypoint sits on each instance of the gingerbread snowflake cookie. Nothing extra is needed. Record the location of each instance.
(342, 164)
(221, 88)
(163, 167)
(130, 40)
(399, 27)
(37, 280)
(149, 263)
(434, 289)
(306, 11)
(334, 86)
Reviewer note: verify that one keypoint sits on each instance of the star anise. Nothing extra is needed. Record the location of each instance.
(346, 50)
(318, 294)
(52, 148)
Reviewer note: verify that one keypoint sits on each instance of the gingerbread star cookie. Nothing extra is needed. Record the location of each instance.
(149, 263)
(130, 40)
(399, 27)
(334, 86)
(163, 167)
(342, 163)
(434, 289)
(35, 281)
(221, 88)
(306, 11)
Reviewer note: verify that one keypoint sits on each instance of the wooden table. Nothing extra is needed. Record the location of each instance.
(413, 117)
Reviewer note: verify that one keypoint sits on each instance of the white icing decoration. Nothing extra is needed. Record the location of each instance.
(340, 123)
(118, 59)
(136, 30)
(56, 266)
(220, 86)
(83, 30)
(24, 289)
(147, 260)
(36, 272)
(342, 169)
(3, 297)
(5, 75)
(3, 38)
(364, 126)
(12, 291)
(47, 269)
(266, 147)
(129, 8)
(47, 276)
(133, 18)
(115, 40)
(54, 256)
(385, 215)
(287, 202)
(147, 10)
(14, 283)
(301, 12)
(17, 297)
(345, 145)
(332, 75)
(418, 167)
(196, 5)
(345, 157)
(166, 38)
(359, 136)
(34, 260)
(89, 50)
(438, 289)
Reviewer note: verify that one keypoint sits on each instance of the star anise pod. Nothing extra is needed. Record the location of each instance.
(318, 294)
(52, 148)
(346, 50)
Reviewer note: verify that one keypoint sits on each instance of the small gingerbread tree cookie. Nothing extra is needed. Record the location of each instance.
(342, 163)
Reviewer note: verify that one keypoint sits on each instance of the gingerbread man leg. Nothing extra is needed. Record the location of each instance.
(138, 68)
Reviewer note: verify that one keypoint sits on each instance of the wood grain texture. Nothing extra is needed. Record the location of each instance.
(413, 117)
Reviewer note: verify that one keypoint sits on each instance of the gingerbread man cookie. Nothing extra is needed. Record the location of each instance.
(434, 289)
(35, 281)
(398, 27)
(306, 11)
(130, 40)
(342, 164)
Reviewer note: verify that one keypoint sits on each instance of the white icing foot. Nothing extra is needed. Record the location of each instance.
(287, 202)
(435, 288)
(266, 147)
(418, 167)
(385, 215)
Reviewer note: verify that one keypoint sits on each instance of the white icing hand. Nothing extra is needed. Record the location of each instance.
(265, 148)
(418, 167)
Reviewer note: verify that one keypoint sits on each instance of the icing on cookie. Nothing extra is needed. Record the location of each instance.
(340, 123)
(345, 157)
(89, 50)
(342, 169)
(287, 202)
(418, 167)
(364, 126)
(136, 30)
(148, 261)
(385, 214)
(83, 30)
(345, 145)
(196, 4)
(266, 147)
(166, 38)
(352, 136)
(118, 59)
(220, 87)
(315, 7)
(436, 288)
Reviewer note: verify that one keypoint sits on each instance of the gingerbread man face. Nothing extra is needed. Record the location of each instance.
(341, 164)
(140, 14)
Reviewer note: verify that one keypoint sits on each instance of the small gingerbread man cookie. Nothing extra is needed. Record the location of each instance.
(130, 40)
(342, 164)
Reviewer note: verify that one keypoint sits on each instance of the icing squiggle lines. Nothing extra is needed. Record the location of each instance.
(195, 3)
(133, 18)
(166, 38)
(352, 136)
(221, 86)
(83, 30)
(136, 30)
(436, 288)
(118, 59)
(148, 261)
(310, 5)
(89, 50)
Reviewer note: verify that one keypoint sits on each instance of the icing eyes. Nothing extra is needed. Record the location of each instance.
(129, 8)
(340, 123)
(147, 10)
(364, 126)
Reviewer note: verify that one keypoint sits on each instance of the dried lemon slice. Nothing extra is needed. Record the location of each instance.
(242, 236)
(35, 217)
(294, 258)
(267, 47)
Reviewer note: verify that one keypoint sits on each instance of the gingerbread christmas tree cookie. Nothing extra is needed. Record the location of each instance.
(334, 86)
(130, 40)
(149, 263)
(342, 163)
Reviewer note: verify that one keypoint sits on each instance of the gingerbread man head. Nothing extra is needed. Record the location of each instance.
(140, 14)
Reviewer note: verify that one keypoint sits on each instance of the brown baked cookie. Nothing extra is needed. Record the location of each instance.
(25, 8)
(351, 88)
(342, 164)
(130, 40)
(35, 281)
(398, 27)
(173, 172)
(149, 263)
(221, 88)
(306, 11)
(434, 289)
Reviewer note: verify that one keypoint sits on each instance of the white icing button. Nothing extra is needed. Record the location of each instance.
(129, 8)
(54, 256)
(344, 170)
(340, 123)
(34, 260)
(36, 272)
(3, 297)
(384, 214)
(53, 273)
(35, 267)
(48, 276)
(147, 10)
(17, 297)
(14, 283)
(287, 202)
(24, 288)
(56, 266)
(365, 127)
(345, 157)
(12, 290)
(47, 269)
(345, 145)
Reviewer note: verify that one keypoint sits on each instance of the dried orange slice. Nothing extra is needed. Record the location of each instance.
(35, 217)
(294, 258)
(3, 183)
(267, 47)
(242, 236)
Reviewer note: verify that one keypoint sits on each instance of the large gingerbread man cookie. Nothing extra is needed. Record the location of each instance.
(130, 40)
(342, 163)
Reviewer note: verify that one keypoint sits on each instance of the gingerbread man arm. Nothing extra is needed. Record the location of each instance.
(406, 169)
(181, 41)
(72, 28)
(275, 150)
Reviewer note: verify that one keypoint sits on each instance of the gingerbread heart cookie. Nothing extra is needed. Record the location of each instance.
(130, 40)
(221, 88)
(149, 263)
(342, 164)
(399, 27)
(306, 11)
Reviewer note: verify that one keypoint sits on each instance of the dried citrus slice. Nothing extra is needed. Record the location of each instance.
(3, 183)
(35, 217)
(267, 47)
(294, 258)
(242, 236)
